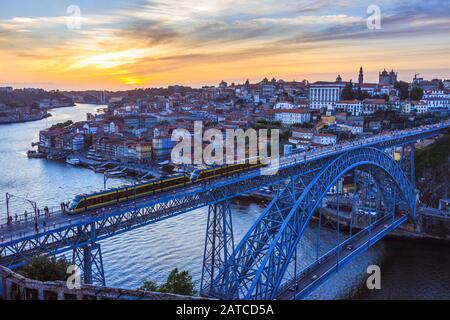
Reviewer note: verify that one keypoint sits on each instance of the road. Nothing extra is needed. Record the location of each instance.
(312, 276)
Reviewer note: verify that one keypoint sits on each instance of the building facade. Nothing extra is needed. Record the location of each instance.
(293, 116)
(387, 78)
(323, 94)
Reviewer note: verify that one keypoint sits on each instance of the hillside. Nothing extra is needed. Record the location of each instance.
(433, 171)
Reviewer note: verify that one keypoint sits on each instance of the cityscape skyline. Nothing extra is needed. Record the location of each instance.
(121, 46)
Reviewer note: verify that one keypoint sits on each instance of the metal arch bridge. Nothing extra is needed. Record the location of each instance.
(264, 265)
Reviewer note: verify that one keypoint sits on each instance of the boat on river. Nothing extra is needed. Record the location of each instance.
(73, 161)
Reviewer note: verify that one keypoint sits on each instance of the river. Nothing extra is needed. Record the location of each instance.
(409, 270)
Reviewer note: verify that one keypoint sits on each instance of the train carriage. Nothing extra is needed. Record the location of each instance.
(83, 203)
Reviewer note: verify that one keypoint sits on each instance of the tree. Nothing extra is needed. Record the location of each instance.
(149, 286)
(416, 93)
(305, 125)
(178, 282)
(403, 88)
(347, 92)
(62, 125)
(261, 121)
(361, 95)
(43, 268)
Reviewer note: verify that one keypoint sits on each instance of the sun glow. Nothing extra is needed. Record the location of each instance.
(164, 42)
(131, 81)
(112, 60)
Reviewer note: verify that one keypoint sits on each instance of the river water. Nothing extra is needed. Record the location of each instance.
(409, 270)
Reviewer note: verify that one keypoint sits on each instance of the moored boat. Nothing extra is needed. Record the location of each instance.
(73, 161)
(115, 174)
(35, 154)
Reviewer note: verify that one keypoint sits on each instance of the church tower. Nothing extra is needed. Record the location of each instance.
(361, 76)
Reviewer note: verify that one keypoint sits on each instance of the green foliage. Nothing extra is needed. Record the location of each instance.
(178, 282)
(306, 125)
(149, 286)
(265, 124)
(43, 268)
(61, 125)
(416, 93)
(403, 88)
(433, 171)
(433, 156)
(361, 95)
(23, 98)
(261, 121)
(347, 93)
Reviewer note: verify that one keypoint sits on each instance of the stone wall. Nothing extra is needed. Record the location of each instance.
(16, 287)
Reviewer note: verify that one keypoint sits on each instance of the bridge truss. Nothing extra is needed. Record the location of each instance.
(265, 264)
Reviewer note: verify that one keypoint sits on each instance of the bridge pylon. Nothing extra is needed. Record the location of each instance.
(87, 256)
(219, 245)
(88, 259)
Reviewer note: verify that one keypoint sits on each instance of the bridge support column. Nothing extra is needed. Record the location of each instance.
(219, 245)
(89, 259)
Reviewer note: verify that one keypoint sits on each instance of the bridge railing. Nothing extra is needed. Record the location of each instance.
(296, 158)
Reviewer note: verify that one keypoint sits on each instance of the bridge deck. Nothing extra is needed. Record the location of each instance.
(312, 277)
(25, 230)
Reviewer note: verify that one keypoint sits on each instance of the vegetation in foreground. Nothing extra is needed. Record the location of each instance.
(43, 268)
(178, 282)
(433, 171)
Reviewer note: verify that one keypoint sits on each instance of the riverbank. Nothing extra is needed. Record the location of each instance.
(409, 269)
(28, 119)
(65, 105)
(426, 228)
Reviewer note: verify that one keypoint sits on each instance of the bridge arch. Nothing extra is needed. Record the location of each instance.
(264, 276)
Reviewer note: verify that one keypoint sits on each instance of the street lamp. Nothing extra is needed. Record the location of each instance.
(105, 179)
(32, 203)
(7, 207)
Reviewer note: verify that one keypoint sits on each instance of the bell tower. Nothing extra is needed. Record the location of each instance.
(361, 76)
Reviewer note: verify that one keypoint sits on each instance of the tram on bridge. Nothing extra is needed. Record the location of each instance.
(86, 202)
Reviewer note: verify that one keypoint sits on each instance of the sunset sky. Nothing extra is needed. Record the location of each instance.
(149, 43)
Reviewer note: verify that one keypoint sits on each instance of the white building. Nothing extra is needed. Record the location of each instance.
(301, 138)
(293, 116)
(372, 105)
(415, 106)
(369, 88)
(419, 107)
(302, 134)
(354, 128)
(285, 105)
(351, 106)
(436, 100)
(322, 94)
(324, 139)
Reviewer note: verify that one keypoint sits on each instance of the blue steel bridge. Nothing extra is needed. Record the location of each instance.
(265, 264)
